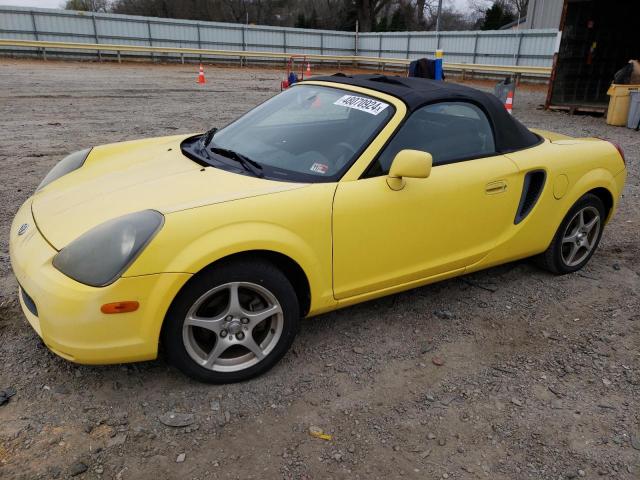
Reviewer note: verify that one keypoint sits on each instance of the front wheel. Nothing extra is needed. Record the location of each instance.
(577, 238)
(232, 322)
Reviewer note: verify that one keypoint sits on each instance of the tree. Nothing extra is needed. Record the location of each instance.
(372, 15)
(398, 22)
(517, 7)
(477, 9)
(301, 21)
(453, 20)
(450, 18)
(382, 25)
(88, 5)
(496, 16)
(313, 20)
(368, 11)
(426, 13)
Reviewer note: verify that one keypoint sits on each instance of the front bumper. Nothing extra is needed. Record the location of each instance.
(66, 314)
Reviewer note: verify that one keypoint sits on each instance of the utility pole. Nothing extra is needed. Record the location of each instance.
(438, 16)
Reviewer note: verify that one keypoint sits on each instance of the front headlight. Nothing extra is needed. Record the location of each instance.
(67, 165)
(99, 256)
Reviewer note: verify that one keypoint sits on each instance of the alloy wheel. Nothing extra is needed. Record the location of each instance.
(580, 236)
(232, 326)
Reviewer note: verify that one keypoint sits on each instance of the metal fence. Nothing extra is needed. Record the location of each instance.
(496, 47)
(524, 47)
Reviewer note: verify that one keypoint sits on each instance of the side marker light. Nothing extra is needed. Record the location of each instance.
(120, 307)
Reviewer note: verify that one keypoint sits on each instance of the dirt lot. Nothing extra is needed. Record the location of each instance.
(541, 374)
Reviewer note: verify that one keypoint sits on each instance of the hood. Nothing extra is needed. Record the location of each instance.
(128, 177)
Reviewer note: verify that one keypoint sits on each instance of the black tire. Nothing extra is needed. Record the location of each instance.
(552, 259)
(251, 271)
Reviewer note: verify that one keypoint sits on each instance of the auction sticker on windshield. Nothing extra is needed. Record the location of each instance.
(369, 105)
(319, 168)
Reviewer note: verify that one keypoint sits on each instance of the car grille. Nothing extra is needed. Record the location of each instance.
(28, 301)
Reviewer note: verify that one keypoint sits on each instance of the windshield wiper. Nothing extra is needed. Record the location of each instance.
(206, 138)
(248, 164)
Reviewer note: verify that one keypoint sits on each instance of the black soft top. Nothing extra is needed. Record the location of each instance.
(415, 92)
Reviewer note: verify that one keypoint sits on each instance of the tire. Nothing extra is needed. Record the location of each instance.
(557, 258)
(213, 338)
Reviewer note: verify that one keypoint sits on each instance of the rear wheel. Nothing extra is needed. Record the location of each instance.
(577, 238)
(232, 322)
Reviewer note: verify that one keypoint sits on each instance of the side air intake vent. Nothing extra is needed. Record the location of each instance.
(533, 185)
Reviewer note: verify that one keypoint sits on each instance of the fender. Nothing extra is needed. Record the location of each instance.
(220, 242)
(597, 178)
(535, 233)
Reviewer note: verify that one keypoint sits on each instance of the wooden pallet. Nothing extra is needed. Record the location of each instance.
(573, 109)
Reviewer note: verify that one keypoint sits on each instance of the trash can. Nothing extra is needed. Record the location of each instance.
(633, 120)
(618, 111)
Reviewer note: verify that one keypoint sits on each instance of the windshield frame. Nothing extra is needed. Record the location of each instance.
(189, 145)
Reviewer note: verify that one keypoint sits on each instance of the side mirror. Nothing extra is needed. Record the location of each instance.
(410, 164)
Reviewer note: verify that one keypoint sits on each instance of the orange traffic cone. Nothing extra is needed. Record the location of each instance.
(508, 104)
(308, 69)
(201, 78)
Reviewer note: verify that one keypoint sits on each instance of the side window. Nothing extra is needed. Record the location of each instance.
(449, 131)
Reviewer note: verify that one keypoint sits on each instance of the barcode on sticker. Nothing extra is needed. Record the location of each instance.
(369, 105)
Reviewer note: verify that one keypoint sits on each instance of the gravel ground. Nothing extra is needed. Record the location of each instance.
(541, 374)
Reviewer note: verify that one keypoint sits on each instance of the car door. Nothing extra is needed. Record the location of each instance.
(384, 238)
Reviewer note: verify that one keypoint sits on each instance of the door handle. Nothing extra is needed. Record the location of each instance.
(498, 186)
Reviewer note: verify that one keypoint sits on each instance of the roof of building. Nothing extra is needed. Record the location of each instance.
(509, 133)
(514, 23)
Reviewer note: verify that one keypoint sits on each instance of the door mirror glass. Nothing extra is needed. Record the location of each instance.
(408, 164)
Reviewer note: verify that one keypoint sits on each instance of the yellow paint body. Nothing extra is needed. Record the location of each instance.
(355, 239)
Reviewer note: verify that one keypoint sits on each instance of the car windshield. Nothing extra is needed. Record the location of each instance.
(307, 133)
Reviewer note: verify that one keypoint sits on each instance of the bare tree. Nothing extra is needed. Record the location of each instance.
(518, 7)
(426, 11)
(88, 5)
(237, 8)
(368, 11)
(380, 15)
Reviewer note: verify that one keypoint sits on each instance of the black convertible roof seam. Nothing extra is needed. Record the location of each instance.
(509, 133)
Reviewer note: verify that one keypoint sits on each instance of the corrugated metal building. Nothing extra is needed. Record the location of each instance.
(544, 14)
(598, 38)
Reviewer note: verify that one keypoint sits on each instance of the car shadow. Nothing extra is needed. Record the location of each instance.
(319, 337)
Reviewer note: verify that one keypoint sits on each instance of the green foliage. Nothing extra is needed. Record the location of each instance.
(496, 16)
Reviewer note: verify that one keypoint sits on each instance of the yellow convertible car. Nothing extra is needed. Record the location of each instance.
(336, 191)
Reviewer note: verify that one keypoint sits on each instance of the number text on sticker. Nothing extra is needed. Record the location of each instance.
(369, 105)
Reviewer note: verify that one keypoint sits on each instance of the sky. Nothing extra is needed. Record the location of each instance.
(33, 3)
(57, 3)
